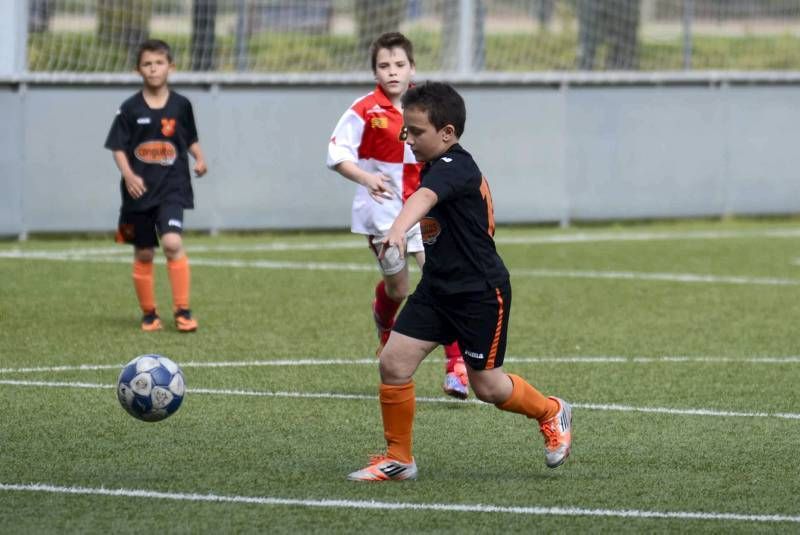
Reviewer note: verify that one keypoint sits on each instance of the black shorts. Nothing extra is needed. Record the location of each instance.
(478, 321)
(142, 229)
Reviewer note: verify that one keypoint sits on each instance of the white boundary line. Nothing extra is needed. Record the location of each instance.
(545, 238)
(355, 267)
(385, 506)
(365, 397)
(374, 361)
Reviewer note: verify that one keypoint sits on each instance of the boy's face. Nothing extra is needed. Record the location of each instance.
(393, 71)
(425, 141)
(154, 67)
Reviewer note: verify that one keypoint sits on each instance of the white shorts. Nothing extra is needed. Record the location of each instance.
(393, 263)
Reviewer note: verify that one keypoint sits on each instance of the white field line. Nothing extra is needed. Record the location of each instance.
(356, 267)
(394, 506)
(371, 361)
(576, 237)
(364, 397)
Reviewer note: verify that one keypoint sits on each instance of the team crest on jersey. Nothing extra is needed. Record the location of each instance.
(379, 122)
(156, 152)
(168, 127)
(430, 229)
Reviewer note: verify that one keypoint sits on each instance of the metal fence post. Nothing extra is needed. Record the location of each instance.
(688, 16)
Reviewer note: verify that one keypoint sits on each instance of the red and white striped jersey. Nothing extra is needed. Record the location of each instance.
(369, 134)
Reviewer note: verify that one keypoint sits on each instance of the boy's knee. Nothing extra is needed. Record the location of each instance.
(172, 246)
(491, 387)
(391, 372)
(397, 292)
(144, 255)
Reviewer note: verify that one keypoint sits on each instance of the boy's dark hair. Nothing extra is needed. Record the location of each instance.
(391, 40)
(442, 103)
(153, 45)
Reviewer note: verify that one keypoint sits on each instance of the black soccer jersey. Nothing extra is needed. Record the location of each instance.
(458, 232)
(156, 142)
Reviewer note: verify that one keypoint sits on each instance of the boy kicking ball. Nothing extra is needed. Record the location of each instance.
(464, 294)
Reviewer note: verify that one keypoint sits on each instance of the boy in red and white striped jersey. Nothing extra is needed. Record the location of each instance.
(366, 148)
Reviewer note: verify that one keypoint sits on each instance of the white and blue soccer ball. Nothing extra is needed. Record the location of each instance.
(151, 387)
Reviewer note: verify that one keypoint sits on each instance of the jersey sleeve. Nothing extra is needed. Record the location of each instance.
(346, 139)
(120, 133)
(191, 126)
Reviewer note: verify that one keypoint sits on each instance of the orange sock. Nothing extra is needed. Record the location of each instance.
(398, 404)
(528, 401)
(180, 280)
(144, 284)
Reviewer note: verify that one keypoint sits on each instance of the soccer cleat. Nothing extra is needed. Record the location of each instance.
(557, 433)
(383, 330)
(382, 468)
(184, 321)
(456, 382)
(151, 321)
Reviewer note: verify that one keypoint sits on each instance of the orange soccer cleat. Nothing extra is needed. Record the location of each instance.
(557, 433)
(151, 322)
(184, 321)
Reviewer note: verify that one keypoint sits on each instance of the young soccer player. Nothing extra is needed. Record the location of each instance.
(150, 139)
(464, 294)
(366, 148)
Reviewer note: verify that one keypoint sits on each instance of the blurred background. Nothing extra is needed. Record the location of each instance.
(578, 110)
(451, 35)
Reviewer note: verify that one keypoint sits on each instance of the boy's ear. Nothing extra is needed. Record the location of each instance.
(448, 132)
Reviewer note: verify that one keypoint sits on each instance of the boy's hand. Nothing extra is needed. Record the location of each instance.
(379, 187)
(135, 185)
(200, 168)
(394, 238)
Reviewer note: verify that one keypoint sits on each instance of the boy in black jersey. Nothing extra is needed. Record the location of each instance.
(151, 137)
(464, 294)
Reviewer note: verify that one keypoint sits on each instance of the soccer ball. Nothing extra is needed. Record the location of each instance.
(150, 387)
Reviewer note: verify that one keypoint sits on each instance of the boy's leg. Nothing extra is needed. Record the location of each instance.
(385, 307)
(399, 359)
(144, 284)
(456, 380)
(138, 229)
(390, 292)
(171, 225)
(512, 393)
(482, 323)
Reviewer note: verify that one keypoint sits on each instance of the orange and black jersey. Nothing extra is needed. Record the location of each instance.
(156, 142)
(458, 232)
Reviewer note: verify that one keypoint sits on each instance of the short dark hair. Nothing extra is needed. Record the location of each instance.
(153, 45)
(390, 40)
(442, 103)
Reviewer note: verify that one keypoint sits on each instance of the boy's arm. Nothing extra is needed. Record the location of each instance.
(343, 155)
(378, 184)
(414, 209)
(133, 182)
(200, 167)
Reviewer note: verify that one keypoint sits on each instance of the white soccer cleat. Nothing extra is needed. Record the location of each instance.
(382, 468)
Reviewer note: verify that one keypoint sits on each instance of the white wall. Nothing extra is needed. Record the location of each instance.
(551, 153)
